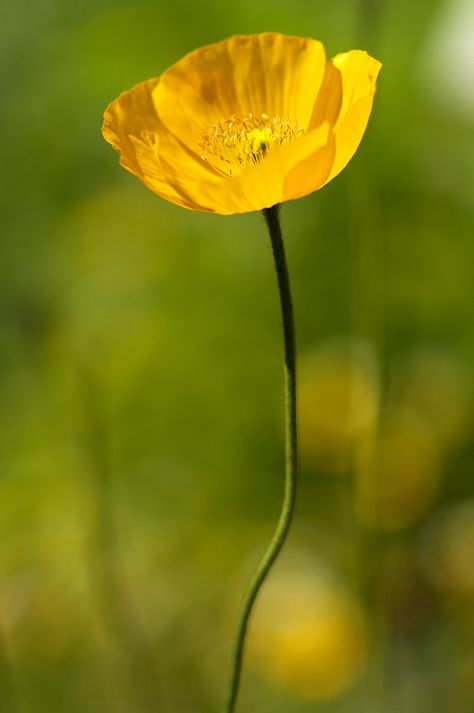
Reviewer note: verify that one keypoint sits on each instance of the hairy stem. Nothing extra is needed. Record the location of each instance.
(284, 522)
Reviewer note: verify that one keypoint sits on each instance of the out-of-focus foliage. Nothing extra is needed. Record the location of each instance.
(141, 399)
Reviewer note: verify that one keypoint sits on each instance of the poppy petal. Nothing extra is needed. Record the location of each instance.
(314, 115)
(268, 73)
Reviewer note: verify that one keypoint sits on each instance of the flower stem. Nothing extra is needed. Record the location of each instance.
(284, 522)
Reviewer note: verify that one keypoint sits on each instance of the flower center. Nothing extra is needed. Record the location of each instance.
(233, 144)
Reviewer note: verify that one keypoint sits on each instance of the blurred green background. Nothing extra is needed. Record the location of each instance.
(141, 456)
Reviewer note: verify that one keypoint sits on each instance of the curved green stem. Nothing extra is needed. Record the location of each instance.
(284, 522)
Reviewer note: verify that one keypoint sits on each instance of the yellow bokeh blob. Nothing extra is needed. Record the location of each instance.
(398, 478)
(338, 402)
(449, 550)
(308, 636)
(433, 384)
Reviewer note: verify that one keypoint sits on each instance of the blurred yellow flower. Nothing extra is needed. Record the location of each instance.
(338, 403)
(432, 383)
(245, 123)
(399, 474)
(400, 470)
(309, 634)
(448, 550)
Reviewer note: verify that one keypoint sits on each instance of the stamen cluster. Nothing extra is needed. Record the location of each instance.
(233, 144)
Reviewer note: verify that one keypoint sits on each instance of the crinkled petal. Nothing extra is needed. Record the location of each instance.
(311, 172)
(149, 151)
(266, 73)
(165, 177)
(156, 126)
(349, 132)
(263, 184)
(129, 116)
(344, 103)
(345, 100)
(178, 174)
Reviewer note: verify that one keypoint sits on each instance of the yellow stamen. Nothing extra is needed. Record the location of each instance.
(233, 144)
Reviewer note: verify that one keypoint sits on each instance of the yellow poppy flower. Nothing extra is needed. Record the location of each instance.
(245, 123)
